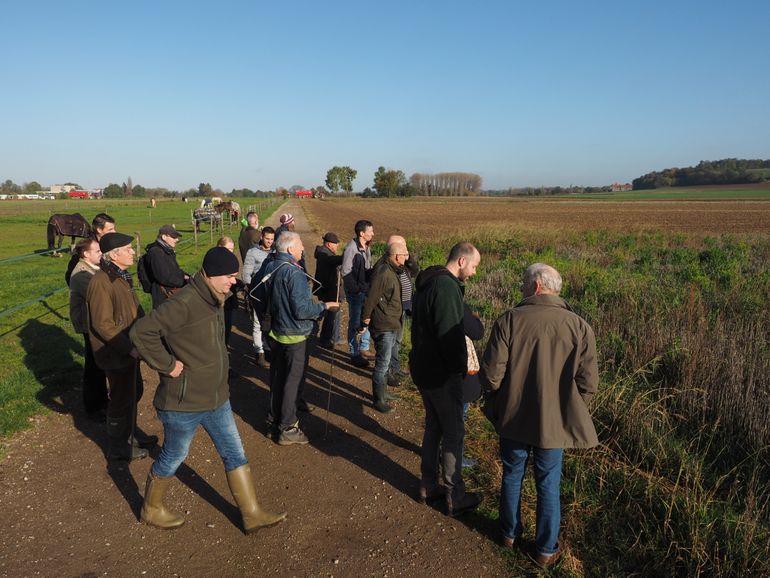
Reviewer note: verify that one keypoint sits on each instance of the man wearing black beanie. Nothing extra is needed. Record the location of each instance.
(184, 341)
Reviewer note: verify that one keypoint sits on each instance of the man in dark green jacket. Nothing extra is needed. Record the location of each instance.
(184, 341)
(382, 315)
(438, 363)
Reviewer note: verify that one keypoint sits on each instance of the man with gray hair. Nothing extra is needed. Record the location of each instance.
(292, 316)
(540, 366)
(381, 314)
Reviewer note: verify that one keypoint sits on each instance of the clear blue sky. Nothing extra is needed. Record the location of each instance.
(259, 95)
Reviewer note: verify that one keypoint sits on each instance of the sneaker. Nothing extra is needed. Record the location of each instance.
(293, 435)
(302, 405)
(425, 497)
(469, 462)
(468, 502)
(544, 560)
(261, 361)
(359, 361)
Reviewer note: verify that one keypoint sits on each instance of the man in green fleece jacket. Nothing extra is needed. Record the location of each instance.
(184, 341)
(438, 362)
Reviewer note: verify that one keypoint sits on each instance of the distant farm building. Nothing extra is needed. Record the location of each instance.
(617, 187)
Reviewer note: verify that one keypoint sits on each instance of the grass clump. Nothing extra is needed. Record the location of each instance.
(680, 485)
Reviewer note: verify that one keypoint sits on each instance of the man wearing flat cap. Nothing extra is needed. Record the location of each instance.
(162, 268)
(184, 341)
(113, 307)
(327, 273)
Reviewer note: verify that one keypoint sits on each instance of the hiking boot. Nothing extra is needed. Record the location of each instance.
(359, 361)
(142, 440)
(382, 407)
(261, 361)
(366, 354)
(544, 560)
(293, 435)
(391, 396)
(393, 380)
(468, 502)
(425, 497)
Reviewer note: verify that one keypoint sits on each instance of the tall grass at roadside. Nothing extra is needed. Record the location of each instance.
(680, 484)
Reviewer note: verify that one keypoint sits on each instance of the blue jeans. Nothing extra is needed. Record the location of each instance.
(395, 361)
(355, 306)
(547, 467)
(179, 428)
(384, 343)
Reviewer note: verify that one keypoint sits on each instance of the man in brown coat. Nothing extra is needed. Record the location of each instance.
(540, 366)
(112, 309)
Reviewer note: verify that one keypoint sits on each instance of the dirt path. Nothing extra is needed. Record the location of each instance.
(349, 495)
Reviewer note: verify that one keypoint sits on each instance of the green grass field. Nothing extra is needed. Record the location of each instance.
(683, 194)
(40, 355)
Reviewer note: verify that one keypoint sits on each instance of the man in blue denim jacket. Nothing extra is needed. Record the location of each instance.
(292, 316)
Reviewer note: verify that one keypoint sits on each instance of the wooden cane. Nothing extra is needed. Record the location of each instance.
(331, 362)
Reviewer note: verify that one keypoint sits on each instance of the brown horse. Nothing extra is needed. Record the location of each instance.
(62, 225)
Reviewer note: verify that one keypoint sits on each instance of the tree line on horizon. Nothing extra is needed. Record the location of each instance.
(721, 172)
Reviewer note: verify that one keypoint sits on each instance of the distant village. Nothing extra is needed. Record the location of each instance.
(56, 192)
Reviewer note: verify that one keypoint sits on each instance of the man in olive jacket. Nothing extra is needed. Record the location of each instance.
(438, 362)
(382, 315)
(540, 365)
(184, 341)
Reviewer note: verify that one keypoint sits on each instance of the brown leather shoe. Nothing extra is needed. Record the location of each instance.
(545, 560)
(508, 543)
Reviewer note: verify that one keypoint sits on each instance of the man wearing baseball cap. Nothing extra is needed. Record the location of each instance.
(184, 341)
(113, 308)
(327, 273)
(162, 268)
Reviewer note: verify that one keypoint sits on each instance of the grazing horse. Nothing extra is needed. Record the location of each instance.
(206, 214)
(62, 225)
(215, 213)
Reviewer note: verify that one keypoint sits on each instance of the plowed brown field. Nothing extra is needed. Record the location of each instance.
(439, 217)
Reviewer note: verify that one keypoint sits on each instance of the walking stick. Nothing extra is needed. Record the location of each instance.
(134, 408)
(331, 362)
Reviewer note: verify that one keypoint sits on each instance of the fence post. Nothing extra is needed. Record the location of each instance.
(138, 243)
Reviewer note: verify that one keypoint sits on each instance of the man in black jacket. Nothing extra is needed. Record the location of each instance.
(166, 275)
(438, 363)
(327, 274)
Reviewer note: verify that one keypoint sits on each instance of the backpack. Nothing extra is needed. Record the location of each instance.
(143, 274)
